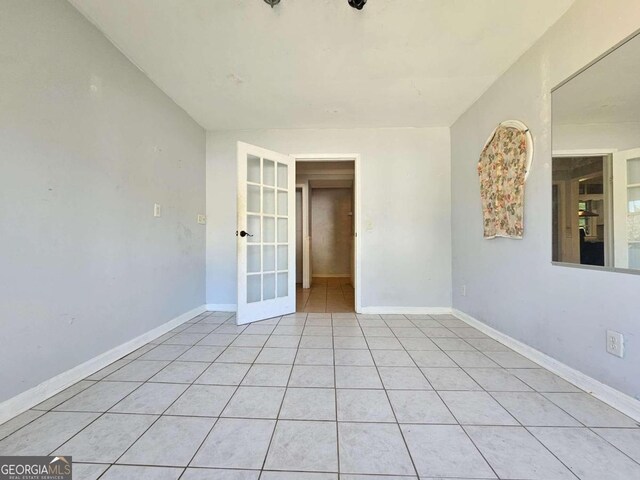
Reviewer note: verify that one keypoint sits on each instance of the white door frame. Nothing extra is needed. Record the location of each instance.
(357, 195)
(306, 241)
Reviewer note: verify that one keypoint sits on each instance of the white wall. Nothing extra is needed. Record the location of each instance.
(511, 285)
(331, 231)
(87, 145)
(405, 209)
(596, 136)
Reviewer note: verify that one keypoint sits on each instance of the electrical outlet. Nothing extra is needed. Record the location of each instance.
(202, 219)
(156, 210)
(464, 291)
(615, 343)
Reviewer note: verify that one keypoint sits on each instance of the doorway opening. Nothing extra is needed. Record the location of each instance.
(326, 234)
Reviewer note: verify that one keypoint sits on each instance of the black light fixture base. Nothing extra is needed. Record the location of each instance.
(272, 2)
(358, 4)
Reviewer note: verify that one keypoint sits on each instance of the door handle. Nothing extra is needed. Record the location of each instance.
(244, 234)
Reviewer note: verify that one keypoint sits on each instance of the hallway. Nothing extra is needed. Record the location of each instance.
(326, 295)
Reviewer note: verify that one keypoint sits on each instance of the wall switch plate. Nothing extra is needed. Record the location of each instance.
(202, 219)
(615, 343)
(464, 290)
(156, 210)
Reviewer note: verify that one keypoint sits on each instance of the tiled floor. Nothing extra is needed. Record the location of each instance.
(311, 397)
(326, 295)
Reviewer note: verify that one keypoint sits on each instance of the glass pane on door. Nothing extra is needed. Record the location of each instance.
(253, 169)
(253, 288)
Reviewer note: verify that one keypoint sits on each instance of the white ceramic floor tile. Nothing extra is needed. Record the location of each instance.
(373, 448)
(403, 378)
(126, 472)
(476, 408)
(440, 451)
(202, 401)
(100, 397)
(450, 379)
(250, 341)
(107, 438)
(219, 474)
(180, 372)
(57, 399)
(224, 374)
(309, 404)
(427, 358)
(515, 453)
(236, 443)
(255, 402)
(349, 356)
(18, 422)
(238, 355)
(586, 454)
(201, 353)
(283, 341)
(625, 439)
(357, 377)
(542, 380)
(137, 371)
(152, 398)
(268, 375)
(88, 471)
(282, 356)
(591, 411)
(171, 441)
(497, 380)
(314, 356)
(392, 358)
(46, 433)
(363, 406)
(384, 343)
(532, 409)
(511, 360)
(420, 407)
(290, 447)
(311, 376)
(165, 352)
(266, 475)
(466, 359)
(315, 341)
(418, 343)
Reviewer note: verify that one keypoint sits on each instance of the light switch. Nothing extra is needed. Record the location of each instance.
(202, 219)
(156, 210)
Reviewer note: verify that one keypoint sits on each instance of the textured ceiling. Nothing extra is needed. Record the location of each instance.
(238, 64)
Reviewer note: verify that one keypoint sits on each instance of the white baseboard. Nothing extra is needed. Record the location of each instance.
(222, 307)
(617, 399)
(32, 397)
(405, 310)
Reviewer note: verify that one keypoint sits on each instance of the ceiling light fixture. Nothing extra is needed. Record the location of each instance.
(357, 3)
(272, 2)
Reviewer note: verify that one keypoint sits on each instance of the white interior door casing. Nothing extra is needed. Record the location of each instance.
(266, 256)
(626, 208)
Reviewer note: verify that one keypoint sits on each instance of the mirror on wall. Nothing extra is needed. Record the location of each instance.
(596, 163)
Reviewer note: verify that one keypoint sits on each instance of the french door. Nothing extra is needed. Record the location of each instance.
(266, 253)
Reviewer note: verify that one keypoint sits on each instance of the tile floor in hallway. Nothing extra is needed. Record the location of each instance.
(326, 295)
(317, 396)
